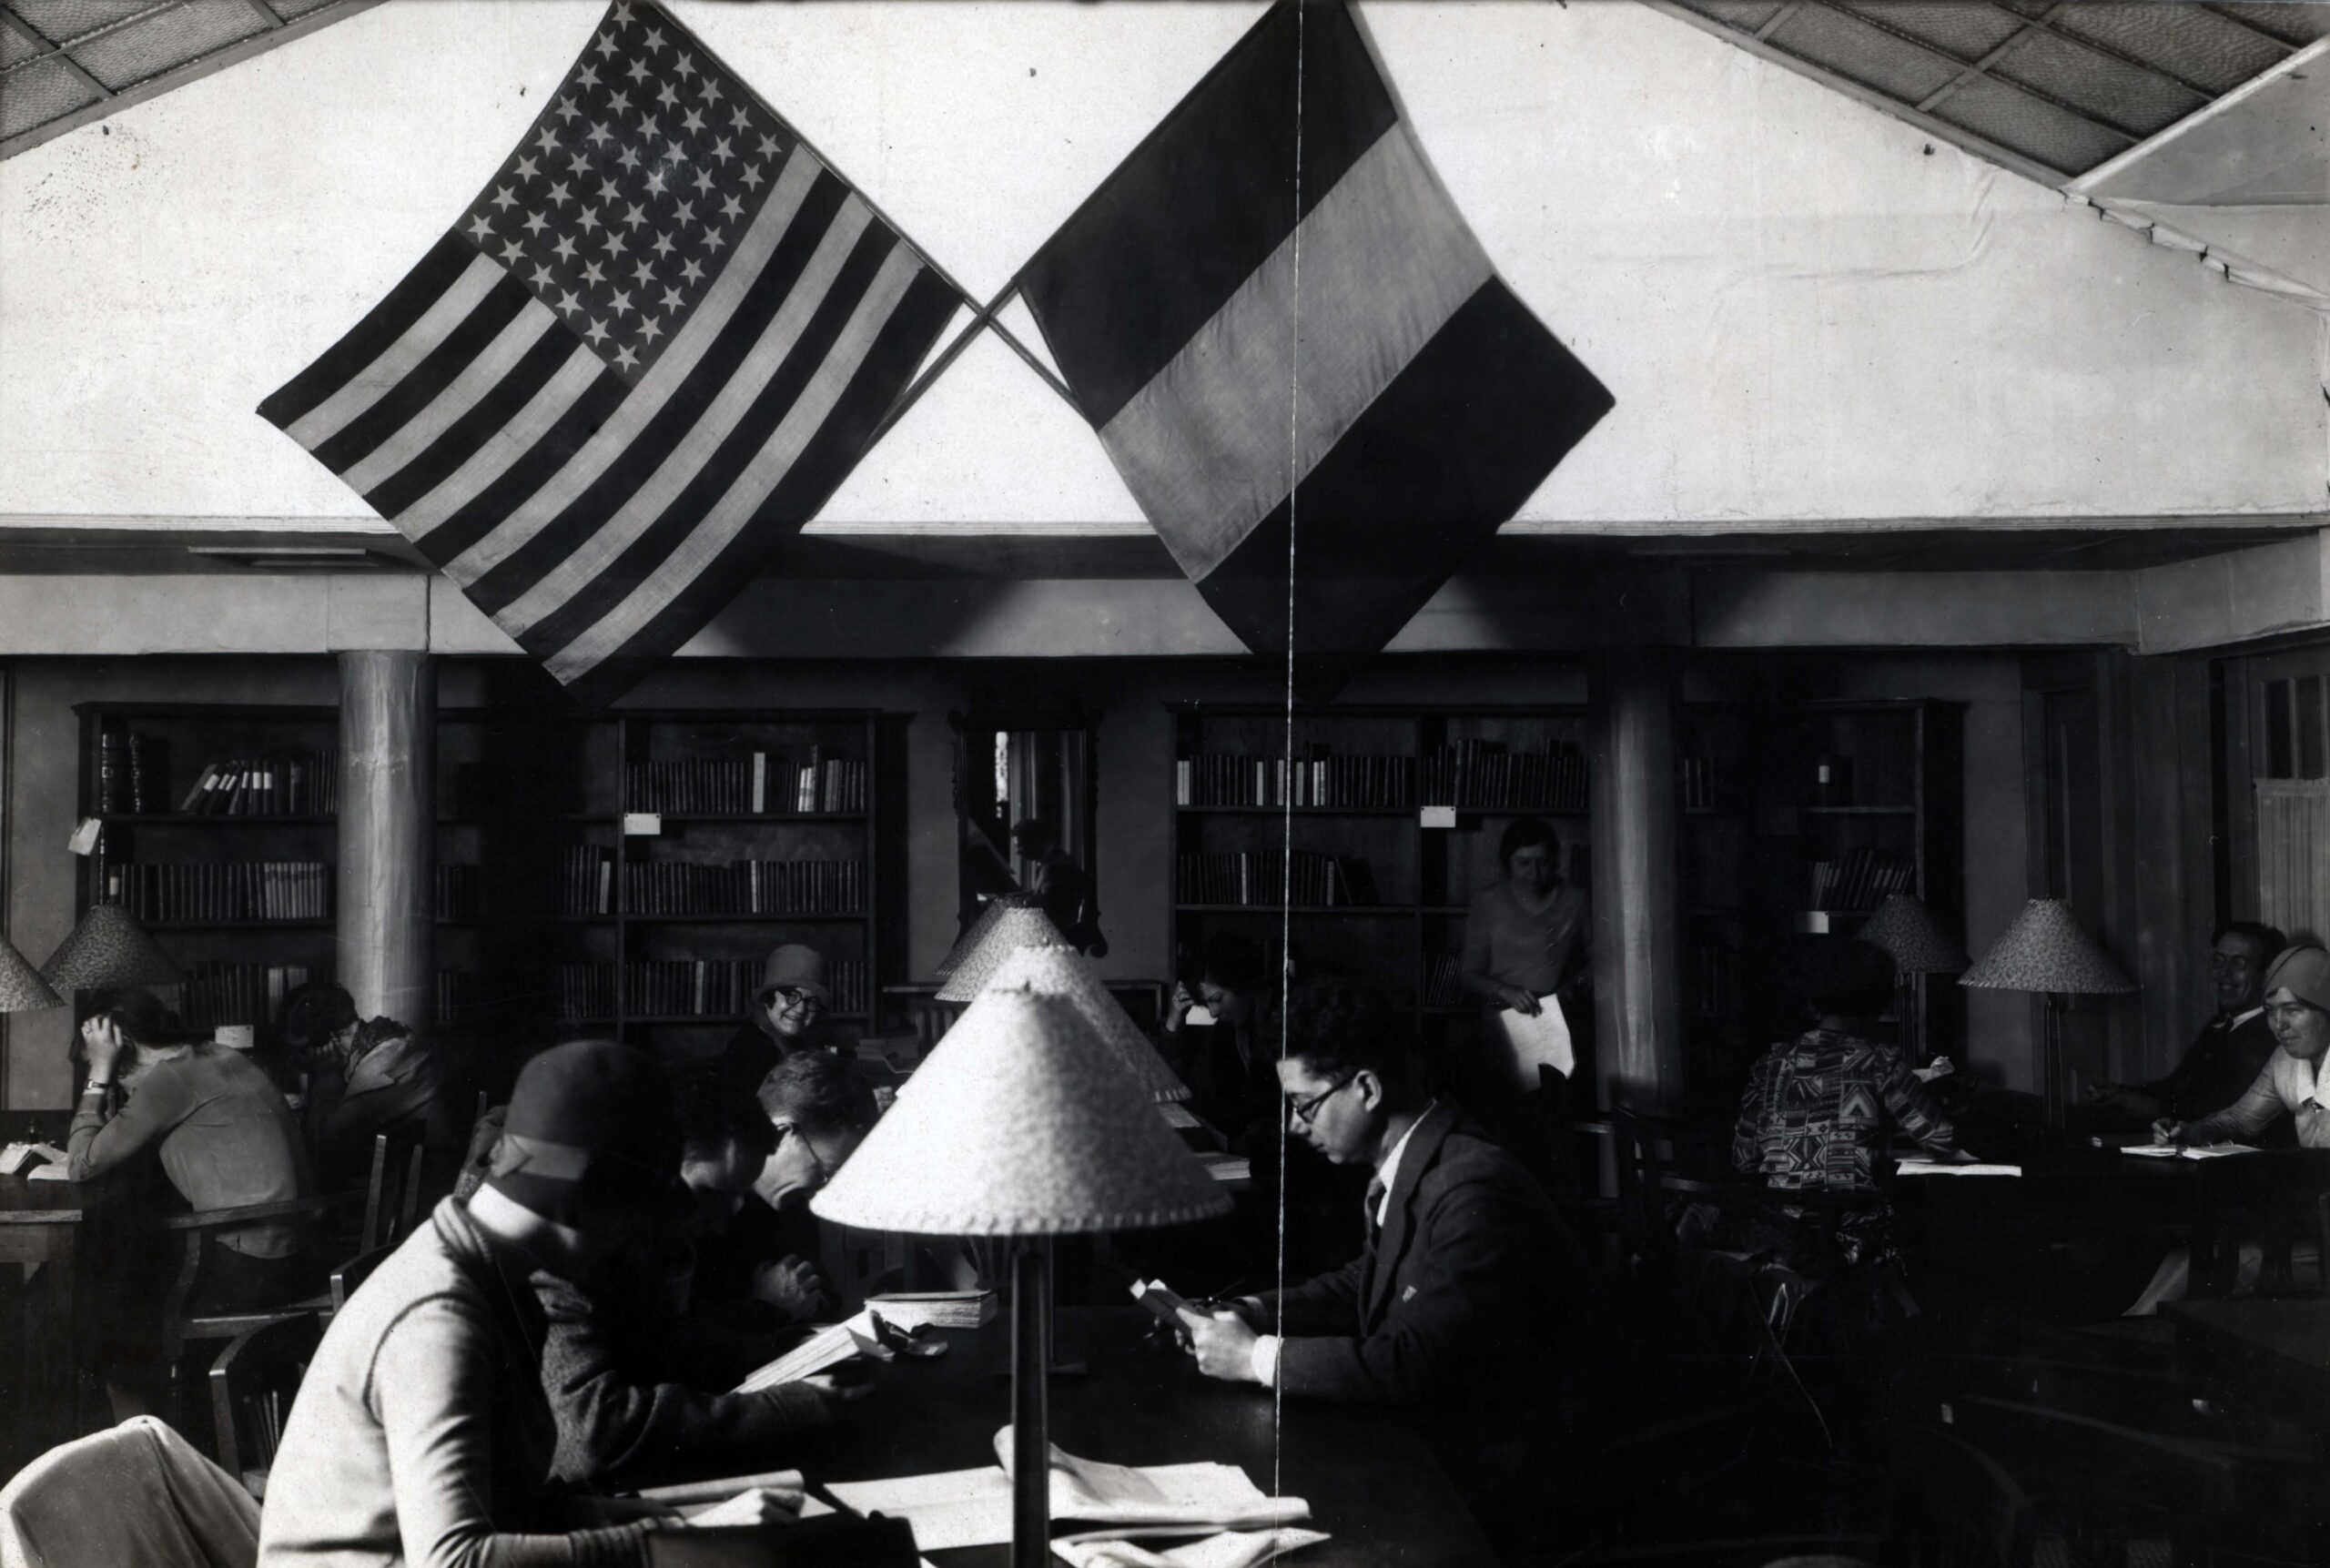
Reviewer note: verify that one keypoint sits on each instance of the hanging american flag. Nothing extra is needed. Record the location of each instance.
(647, 353)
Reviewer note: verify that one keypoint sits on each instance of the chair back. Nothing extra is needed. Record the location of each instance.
(392, 1191)
(252, 1385)
(2267, 1200)
(353, 1273)
(1969, 1511)
(1660, 1159)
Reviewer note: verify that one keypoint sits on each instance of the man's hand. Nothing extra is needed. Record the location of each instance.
(837, 1391)
(793, 1286)
(1223, 1345)
(101, 1042)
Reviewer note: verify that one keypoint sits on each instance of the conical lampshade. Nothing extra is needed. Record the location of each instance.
(109, 949)
(22, 990)
(1906, 930)
(2045, 950)
(1017, 925)
(1065, 973)
(977, 932)
(1022, 1123)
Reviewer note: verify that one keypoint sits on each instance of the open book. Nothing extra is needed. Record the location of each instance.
(1914, 1166)
(18, 1156)
(973, 1507)
(2186, 1151)
(828, 1346)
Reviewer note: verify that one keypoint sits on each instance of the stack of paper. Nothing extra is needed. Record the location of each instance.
(934, 1308)
(973, 1507)
(1953, 1168)
(1227, 1167)
(1522, 1042)
(2186, 1151)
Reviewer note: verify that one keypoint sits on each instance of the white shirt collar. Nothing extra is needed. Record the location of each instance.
(2240, 1019)
(1389, 1172)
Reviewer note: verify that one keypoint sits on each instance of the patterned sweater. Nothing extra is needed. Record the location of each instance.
(1816, 1108)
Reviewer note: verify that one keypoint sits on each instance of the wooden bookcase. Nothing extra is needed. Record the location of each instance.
(522, 797)
(1761, 822)
(1364, 807)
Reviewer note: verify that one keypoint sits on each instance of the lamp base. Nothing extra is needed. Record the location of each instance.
(1031, 1479)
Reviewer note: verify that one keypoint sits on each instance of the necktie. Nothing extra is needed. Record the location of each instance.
(1375, 1207)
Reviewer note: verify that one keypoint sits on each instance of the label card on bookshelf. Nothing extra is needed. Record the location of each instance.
(1439, 817)
(84, 838)
(643, 825)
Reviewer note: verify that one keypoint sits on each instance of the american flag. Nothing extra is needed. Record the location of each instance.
(648, 352)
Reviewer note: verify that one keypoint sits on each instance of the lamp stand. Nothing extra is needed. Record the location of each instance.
(1909, 1024)
(1031, 1470)
(2051, 1030)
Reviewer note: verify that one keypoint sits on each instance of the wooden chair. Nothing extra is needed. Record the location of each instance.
(181, 1326)
(252, 1384)
(353, 1273)
(392, 1193)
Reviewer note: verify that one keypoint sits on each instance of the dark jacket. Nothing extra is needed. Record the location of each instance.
(2217, 1070)
(1475, 1292)
(1235, 1091)
(618, 1423)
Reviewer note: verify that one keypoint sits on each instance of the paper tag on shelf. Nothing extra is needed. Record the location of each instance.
(643, 824)
(1440, 817)
(84, 838)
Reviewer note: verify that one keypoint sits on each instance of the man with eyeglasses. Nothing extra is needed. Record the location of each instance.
(1471, 1300)
(2232, 1048)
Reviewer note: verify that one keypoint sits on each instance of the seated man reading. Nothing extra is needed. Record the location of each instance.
(639, 1384)
(1470, 1300)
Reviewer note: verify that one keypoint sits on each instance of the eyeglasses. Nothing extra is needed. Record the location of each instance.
(1305, 1111)
(825, 1171)
(786, 997)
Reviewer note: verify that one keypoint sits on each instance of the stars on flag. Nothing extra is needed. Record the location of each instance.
(632, 158)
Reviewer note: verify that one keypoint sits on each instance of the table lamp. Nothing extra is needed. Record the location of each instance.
(975, 932)
(1023, 1125)
(1065, 973)
(2045, 951)
(1919, 946)
(1015, 925)
(109, 949)
(22, 990)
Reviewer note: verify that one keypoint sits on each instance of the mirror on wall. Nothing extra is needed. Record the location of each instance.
(1026, 792)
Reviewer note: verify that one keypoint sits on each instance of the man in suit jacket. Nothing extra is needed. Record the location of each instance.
(1471, 1298)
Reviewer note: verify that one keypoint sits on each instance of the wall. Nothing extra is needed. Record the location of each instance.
(1807, 312)
(1135, 752)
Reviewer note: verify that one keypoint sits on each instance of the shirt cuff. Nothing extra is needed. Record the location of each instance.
(1263, 1363)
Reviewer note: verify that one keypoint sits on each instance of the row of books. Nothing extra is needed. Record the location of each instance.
(685, 988)
(1444, 984)
(1322, 779)
(231, 890)
(586, 879)
(1491, 776)
(219, 993)
(460, 1000)
(1857, 880)
(133, 773)
(765, 782)
(1707, 783)
(745, 887)
(294, 784)
(1304, 879)
(458, 892)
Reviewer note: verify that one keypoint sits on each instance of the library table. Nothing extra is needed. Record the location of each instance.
(1371, 1483)
(2272, 1356)
(52, 1228)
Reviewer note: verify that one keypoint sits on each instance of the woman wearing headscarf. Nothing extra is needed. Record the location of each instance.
(2297, 1009)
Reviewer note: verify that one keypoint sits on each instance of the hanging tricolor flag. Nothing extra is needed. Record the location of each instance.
(1424, 403)
(645, 355)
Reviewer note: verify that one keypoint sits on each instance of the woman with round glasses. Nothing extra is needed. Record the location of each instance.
(781, 1017)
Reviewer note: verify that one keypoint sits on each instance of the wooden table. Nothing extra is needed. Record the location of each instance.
(1369, 1479)
(2273, 1356)
(51, 1230)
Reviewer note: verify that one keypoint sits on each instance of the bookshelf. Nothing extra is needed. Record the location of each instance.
(620, 874)
(1799, 817)
(1376, 893)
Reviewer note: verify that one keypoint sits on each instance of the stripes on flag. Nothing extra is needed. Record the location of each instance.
(658, 340)
(1425, 404)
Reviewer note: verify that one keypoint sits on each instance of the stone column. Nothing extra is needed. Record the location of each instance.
(1638, 933)
(388, 773)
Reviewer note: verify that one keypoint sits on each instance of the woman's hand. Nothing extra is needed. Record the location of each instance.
(1176, 1011)
(1521, 999)
(101, 1042)
(2168, 1129)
